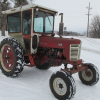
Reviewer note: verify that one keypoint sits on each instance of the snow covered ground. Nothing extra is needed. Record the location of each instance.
(33, 84)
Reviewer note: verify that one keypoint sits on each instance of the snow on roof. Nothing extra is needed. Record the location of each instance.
(26, 7)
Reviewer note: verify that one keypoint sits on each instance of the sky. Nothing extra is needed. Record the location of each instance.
(75, 18)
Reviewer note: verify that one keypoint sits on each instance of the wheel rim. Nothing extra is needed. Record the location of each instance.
(7, 58)
(87, 76)
(60, 86)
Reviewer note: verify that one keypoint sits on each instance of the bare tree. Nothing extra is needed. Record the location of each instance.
(95, 27)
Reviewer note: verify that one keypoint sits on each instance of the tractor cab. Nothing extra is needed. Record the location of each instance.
(27, 23)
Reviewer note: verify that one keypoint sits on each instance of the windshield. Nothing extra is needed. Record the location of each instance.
(43, 22)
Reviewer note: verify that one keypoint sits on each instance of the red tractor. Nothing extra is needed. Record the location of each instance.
(32, 43)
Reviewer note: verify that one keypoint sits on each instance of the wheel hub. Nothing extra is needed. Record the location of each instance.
(7, 57)
(87, 75)
(60, 86)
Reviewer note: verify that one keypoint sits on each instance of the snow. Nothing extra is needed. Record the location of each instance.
(33, 84)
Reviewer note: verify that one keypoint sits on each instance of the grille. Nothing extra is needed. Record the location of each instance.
(75, 52)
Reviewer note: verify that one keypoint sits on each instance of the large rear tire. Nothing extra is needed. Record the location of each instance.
(12, 60)
(91, 76)
(62, 85)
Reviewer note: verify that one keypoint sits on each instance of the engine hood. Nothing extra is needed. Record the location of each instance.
(56, 42)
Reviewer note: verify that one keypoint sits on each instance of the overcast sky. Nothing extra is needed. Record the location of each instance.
(75, 18)
(74, 12)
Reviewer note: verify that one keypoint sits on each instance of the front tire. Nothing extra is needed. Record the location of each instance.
(91, 76)
(62, 85)
(12, 60)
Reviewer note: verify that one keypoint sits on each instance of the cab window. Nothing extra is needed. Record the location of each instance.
(14, 22)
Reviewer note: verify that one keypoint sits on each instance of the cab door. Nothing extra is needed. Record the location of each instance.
(26, 29)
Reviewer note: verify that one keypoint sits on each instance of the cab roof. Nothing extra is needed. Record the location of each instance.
(26, 7)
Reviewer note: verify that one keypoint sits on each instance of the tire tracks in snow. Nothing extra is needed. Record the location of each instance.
(93, 42)
(92, 50)
(90, 41)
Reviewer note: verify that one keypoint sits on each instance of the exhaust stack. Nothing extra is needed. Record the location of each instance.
(61, 25)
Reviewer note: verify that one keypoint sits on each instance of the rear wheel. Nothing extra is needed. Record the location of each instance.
(89, 76)
(12, 60)
(62, 85)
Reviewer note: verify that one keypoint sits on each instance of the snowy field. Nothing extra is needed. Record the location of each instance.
(33, 84)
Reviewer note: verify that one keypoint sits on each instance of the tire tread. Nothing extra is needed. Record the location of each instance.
(19, 59)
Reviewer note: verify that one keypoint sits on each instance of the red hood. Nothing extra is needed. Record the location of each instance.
(56, 42)
(60, 43)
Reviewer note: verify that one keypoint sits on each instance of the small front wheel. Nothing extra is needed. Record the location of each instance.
(90, 76)
(62, 85)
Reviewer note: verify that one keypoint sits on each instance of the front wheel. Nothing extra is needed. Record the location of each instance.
(90, 76)
(62, 85)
